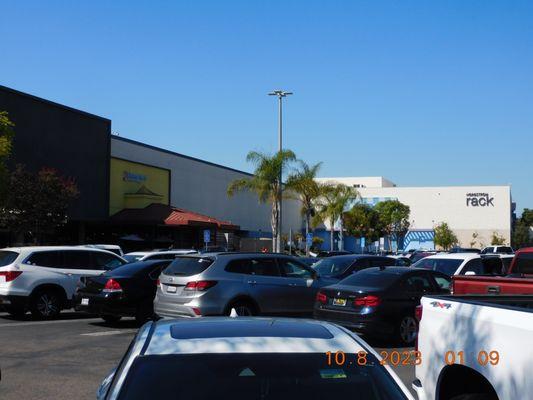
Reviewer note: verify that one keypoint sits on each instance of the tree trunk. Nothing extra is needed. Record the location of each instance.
(332, 233)
(274, 225)
(307, 217)
(341, 236)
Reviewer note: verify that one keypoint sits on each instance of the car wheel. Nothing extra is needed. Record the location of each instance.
(110, 318)
(45, 304)
(407, 330)
(243, 309)
(17, 312)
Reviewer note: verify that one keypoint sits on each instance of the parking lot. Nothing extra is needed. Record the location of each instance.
(68, 358)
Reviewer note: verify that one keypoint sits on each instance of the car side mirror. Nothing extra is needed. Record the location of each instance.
(470, 273)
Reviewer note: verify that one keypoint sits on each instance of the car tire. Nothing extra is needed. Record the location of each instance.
(145, 312)
(111, 318)
(243, 309)
(17, 312)
(45, 304)
(406, 330)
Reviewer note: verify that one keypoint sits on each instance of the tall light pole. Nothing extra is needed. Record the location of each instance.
(280, 94)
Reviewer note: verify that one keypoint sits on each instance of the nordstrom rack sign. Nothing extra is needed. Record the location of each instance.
(479, 200)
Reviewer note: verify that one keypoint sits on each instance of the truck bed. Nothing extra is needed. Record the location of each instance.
(491, 285)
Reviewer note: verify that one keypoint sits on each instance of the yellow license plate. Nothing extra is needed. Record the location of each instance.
(339, 302)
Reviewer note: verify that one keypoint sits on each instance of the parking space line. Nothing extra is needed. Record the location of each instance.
(32, 323)
(107, 333)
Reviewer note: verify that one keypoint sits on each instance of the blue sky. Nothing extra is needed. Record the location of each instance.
(421, 92)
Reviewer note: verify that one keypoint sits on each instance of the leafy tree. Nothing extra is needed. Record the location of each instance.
(474, 239)
(266, 184)
(37, 203)
(363, 221)
(522, 233)
(393, 217)
(330, 206)
(305, 188)
(497, 240)
(6, 144)
(444, 236)
(317, 242)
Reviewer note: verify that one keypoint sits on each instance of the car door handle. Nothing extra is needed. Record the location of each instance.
(493, 289)
(252, 282)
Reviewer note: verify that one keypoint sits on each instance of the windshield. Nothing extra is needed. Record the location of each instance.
(447, 266)
(258, 376)
(332, 266)
(132, 257)
(188, 266)
(7, 257)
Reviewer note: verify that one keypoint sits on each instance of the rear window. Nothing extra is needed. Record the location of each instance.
(7, 257)
(188, 266)
(523, 264)
(258, 376)
(132, 258)
(374, 279)
(332, 266)
(447, 266)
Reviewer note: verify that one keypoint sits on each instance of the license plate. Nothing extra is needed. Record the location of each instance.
(84, 302)
(172, 289)
(339, 302)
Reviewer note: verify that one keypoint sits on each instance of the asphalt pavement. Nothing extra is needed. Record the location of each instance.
(69, 357)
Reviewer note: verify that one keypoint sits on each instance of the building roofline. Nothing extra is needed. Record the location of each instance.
(433, 187)
(52, 103)
(155, 148)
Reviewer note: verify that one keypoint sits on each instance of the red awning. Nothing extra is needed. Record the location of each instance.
(161, 214)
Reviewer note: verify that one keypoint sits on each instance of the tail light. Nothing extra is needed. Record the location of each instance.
(112, 286)
(321, 298)
(418, 312)
(200, 285)
(10, 275)
(367, 301)
(158, 283)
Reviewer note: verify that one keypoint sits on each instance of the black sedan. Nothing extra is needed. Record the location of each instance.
(125, 291)
(339, 267)
(380, 301)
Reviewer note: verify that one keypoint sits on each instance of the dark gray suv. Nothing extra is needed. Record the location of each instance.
(251, 283)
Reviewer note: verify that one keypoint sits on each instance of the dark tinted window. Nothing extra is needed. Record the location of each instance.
(132, 258)
(45, 259)
(188, 266)
(76, 259)
(258, 376)
(7, 257)
(105, 261)
(447, 266)
(505, 250)
(475, 266)
(523, 264)
(381, 262)
(238, 266)
(169, 256)
(264, 267)
(416, 283)
(366, 278)
(443, 282)
(332, 266)
(292, 269)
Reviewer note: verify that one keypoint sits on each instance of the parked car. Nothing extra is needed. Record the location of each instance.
(322, 254)
(113, 248)
(401, 260)
(497, 250)
(337, 268)
(309, 261)
(252, 283)
(463, 250)
(516, 279)
(454, 264)
(126, 291)
(418, 255)
(156, 255)
(249, 358)
(43, 279)
(478, 346)
(380, 301)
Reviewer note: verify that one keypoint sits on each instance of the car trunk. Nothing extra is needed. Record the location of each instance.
(343, 297)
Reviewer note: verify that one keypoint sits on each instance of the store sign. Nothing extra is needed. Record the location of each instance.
(132, 177)
(479, 200)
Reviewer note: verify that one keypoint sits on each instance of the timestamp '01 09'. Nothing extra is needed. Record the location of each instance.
(394, 358)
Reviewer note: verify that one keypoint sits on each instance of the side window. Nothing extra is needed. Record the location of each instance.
(417, 284)
(156, 270)
(264, 267)
(291, 269)
(104, 261)
(49, 259)
(77, 259)
(382, 262)
(475, 266)
(360, 264)
(238, 266)
(443, 282)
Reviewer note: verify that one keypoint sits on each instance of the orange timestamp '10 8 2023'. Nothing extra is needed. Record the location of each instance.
(407, 357)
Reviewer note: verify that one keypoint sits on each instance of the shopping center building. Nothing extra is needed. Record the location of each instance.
(474, 213)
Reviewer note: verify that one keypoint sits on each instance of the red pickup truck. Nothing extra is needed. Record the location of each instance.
(518, 280)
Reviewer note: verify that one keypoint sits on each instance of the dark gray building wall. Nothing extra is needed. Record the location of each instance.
(75, 143)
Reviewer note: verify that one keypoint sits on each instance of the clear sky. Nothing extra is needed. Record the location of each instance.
(421, 92)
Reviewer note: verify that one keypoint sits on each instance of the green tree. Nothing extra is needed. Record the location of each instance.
(393, 217)
(363, 221)
(444, 236)
(302, 185)
(36, 204)
(266, 184)
(330, 206)
(6, 145)
(522, 232)
(497, 240)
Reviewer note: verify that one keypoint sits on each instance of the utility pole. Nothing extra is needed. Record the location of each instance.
(280, 94)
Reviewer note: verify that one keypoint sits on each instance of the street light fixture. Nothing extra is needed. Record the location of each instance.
(280, 94)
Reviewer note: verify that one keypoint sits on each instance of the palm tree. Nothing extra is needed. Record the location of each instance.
(266, 184)
(303, 186)
(334, 199)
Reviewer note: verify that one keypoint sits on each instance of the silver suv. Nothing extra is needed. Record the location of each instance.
(213, 284)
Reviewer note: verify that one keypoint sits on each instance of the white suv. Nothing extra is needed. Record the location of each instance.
(44, 279)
